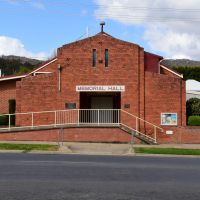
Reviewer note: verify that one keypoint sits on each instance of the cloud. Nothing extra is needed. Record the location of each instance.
(170, 27)
(13, 46)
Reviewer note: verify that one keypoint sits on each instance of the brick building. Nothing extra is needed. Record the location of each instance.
(128, 85)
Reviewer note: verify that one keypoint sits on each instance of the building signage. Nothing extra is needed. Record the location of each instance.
(169, 119)
(100, 88)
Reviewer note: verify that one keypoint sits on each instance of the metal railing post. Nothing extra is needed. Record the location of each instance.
(9, 120)
(98, 116)
(78, 116)
(118, 116)
(136, 123)
(155, 134)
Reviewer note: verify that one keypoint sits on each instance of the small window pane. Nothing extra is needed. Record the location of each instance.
(70, 105)
(94, 57)
(106, 57)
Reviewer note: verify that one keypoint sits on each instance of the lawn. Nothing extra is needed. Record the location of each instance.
(173, 151)
(28, 147)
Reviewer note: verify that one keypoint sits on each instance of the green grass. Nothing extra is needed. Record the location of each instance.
(173, 151)
(28, 147)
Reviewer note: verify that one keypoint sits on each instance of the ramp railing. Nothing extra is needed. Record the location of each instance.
(78, 117)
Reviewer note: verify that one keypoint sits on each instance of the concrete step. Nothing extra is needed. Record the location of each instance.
(142, 137)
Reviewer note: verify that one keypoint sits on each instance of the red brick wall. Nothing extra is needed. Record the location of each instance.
(37, 93)
(181, 135)
(7, 91)
(70, 134)
(164, 94)
(151, 62)
(126, 67)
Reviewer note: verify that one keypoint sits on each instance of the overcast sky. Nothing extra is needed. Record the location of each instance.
(35, 28)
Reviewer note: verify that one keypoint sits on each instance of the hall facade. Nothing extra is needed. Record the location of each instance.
(101, 77)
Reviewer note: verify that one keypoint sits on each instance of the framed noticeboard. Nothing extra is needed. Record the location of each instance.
(169, 119)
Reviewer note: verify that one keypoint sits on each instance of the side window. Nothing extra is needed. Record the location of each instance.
(106, 57)
(94, 57)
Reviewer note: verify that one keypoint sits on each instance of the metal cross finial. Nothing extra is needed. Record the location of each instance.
(102, 24)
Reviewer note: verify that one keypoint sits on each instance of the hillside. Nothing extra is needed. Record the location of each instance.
(15, 65)
(180, 63)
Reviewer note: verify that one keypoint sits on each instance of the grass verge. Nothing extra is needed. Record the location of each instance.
(28, 147)
(172, 151)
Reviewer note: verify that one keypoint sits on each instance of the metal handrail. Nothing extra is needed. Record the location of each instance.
(142, 119)
(72, 116)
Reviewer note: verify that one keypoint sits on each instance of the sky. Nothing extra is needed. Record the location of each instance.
(36, 28)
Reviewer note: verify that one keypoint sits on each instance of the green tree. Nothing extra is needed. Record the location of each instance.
(189, 72)
(23, 70)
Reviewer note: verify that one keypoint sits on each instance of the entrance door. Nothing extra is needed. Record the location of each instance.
(105, 106)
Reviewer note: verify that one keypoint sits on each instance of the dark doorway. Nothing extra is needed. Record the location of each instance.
(99, 107)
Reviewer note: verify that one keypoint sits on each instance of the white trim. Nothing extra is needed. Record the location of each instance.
(12, 78)
(43, 66)
(179, 75)
(41, 73)
(23, 76)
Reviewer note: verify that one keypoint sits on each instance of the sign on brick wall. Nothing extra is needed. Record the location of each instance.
(100, 88)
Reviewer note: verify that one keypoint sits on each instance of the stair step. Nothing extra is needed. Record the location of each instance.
(139, 135)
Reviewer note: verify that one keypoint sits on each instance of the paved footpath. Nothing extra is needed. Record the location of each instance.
(74, 177)
(99, 148)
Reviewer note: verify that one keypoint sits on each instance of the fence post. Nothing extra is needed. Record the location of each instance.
(98, 116)
(118, 116)
(155, 134)
(136, 124)
(9, 120)
(78, 110)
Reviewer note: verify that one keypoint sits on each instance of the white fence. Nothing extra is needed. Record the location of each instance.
(78, 117)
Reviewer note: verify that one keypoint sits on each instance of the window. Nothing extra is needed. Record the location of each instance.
(70, 105)
(94, 57)
(106, 57)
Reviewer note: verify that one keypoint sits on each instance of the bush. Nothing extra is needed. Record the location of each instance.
(194, 120)
(4, 120)
(193, 107)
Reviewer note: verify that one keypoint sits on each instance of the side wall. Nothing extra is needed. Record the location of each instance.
(7, 91)
(37, 93)
(164, 94)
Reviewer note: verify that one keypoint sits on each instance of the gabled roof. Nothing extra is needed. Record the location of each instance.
(6, 78)
(98, 34)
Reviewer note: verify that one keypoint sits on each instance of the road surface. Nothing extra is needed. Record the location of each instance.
(74, 177)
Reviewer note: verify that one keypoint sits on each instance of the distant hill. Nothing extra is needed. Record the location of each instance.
(180, 63)
(16, 65)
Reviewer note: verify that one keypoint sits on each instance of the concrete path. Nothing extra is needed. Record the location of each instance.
(96, 148)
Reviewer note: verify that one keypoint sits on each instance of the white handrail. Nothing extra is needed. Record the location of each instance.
(142, 119)
(77, 117)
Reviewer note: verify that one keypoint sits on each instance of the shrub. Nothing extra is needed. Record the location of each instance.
(194, 120)
(4, 120)
(193, 107)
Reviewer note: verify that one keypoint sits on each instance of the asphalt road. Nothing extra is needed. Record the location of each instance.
(74, 177)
